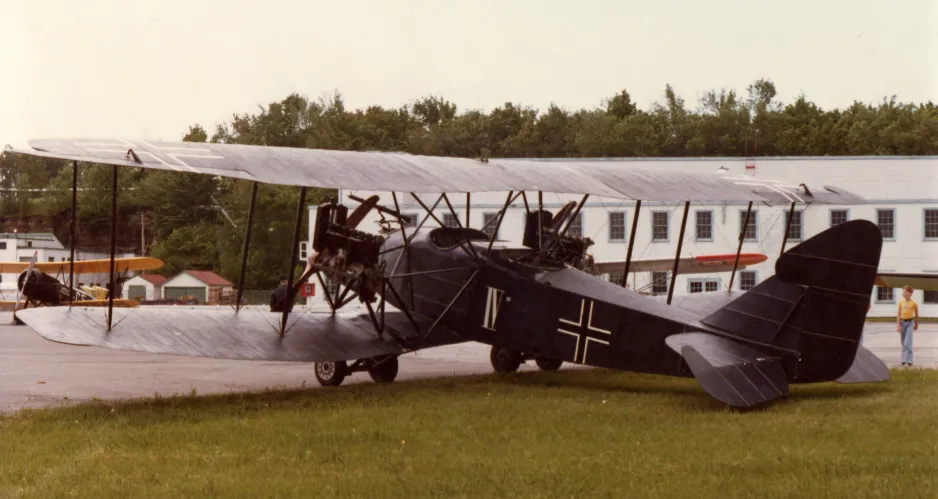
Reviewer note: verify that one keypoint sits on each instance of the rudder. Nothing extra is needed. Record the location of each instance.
(815, 304)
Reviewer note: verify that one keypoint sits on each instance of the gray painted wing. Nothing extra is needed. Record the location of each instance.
(248, 335)
(375, 171)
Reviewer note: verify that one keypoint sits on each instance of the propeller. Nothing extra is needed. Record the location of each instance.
(21, 287)
(561, 215)
(359, 214)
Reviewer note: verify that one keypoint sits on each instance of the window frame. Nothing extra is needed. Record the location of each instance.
(697, 237)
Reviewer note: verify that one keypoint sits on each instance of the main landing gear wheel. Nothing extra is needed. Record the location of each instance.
(545, 364)
(505, 361)
(331, 373)
(383, 370)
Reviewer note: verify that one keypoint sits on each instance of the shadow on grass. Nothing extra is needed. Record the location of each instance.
(686, 394)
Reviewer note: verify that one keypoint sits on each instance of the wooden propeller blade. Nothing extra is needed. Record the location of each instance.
(359, 214)
(562, 215)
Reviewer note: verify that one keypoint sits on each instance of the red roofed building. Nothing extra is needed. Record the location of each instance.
(203, 285)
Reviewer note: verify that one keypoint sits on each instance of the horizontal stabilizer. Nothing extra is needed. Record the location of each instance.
(866, 368)
(247, 335)
(732, 373)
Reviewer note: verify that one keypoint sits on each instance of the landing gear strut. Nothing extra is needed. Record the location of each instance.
(508, 361)
(382, 369)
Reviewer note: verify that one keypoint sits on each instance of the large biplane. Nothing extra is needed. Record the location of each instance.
(427, 286)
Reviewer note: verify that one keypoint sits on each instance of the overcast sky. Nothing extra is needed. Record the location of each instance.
(135, 69)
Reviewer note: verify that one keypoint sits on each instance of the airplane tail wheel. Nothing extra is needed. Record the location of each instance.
(504, 360)
(331, 373)
(548, 364)
(384, 371)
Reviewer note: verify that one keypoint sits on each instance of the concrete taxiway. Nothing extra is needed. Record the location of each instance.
(37, 373)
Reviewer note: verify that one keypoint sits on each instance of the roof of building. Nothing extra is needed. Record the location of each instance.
(154, 279)
(208, 277)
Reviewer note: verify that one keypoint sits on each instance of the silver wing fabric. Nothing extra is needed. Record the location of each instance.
(376, 171)
(224, 334)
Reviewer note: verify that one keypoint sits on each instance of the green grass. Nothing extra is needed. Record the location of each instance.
(567, 434)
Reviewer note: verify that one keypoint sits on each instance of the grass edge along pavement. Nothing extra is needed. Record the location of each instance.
(533, 434)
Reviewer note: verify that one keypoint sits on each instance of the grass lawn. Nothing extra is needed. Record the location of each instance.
(568, 434)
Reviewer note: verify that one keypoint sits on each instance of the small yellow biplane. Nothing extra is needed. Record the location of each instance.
(50, 284)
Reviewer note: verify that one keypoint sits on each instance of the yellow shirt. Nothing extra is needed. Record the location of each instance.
(907, 309)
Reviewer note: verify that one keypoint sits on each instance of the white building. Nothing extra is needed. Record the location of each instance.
(902, 194)
(21, 247)
(144, 287)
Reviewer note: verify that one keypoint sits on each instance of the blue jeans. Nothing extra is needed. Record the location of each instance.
(907, 327)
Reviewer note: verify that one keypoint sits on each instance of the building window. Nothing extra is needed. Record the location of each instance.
(659, 226)
(931, 223)
(930, 297)
(25, 259)
(450, 220)
(617, 278)
(3, 245)
(702, 285)
(704, 225)
(886, 220)
(659, 282)
(576, 226)
(410, 219)
(750, 232)
(747, 279)
(617, 226)
(884, 295)
(489, 220)
(52, 259)
(838, 217)
(796, 227)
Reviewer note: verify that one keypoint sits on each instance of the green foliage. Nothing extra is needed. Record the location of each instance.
(175, 206)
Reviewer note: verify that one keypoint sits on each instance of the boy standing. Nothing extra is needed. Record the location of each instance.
(908, 311)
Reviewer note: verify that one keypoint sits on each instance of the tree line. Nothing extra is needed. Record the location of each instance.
(196, 221)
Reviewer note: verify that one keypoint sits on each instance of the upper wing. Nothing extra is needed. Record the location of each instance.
(927, 282)
(429, 174)
(87, 266)
(224, 334)
(703, 264)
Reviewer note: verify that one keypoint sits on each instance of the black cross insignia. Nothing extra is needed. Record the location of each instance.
(584, 333)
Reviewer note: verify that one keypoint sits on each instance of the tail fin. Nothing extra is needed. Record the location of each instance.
(816, 302)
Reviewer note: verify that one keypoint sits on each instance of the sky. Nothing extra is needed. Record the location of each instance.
(150, 69)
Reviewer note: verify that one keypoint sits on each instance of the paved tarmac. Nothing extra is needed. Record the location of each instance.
(37, 373)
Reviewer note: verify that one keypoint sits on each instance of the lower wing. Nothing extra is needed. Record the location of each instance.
(927, 282)
(702, 264)
(247, 335)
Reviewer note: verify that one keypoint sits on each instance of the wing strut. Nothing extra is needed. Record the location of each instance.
(293, 255)
(501, 216)
(628, 252)
(71, 235)
(677, 254)
(247, 245)
(739, 248)
(110, 295)
(791, 213)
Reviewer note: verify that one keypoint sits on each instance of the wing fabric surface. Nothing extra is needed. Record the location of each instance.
(247, 335)
(87, 266)
(373, 171)
(926, 282)
(691, 265)
(732, 373)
